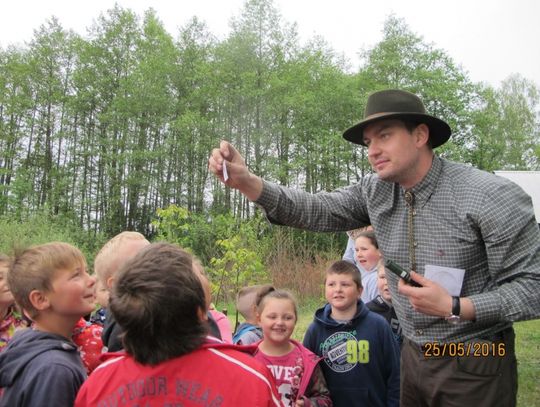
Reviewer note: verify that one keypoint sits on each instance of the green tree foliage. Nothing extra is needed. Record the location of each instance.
(193, 231)
(107, 128)
(507, 130)
(42, 227)
(231, 249)
(236, 267)
(191, 137)
(15, 102)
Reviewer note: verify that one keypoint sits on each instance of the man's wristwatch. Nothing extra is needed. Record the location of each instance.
(454, 317)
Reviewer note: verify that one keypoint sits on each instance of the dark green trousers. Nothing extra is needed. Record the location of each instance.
(471, 374)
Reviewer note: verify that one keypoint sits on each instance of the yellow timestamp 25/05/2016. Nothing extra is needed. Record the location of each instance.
(460, 349)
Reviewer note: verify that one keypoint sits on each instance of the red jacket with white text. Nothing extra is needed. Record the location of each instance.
(215, 375)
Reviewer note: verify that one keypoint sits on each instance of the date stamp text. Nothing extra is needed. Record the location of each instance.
(459, 349)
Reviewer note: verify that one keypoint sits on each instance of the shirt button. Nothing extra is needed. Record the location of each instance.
(415, 244)
(414, 212)
(419, 332)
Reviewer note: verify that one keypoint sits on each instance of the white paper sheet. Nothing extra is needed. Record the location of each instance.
(448, 277)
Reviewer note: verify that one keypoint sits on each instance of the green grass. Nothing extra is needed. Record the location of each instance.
(527, 351)
(528, 357)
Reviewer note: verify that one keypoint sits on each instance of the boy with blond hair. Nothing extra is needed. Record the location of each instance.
(115, 253)
(360, 354)
(41, 365)
(108, 261)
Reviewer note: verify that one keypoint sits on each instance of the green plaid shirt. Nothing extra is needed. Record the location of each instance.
(465, 218)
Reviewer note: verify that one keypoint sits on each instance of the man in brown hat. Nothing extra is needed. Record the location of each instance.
(428, 214)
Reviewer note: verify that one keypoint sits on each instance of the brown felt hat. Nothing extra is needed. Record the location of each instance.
(398, 104)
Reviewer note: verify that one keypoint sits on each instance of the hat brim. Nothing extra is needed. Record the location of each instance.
(439, 130)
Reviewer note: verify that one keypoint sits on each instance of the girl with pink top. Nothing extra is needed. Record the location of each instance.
(299, 379)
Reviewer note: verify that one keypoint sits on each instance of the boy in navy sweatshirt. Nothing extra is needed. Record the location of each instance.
(41, 365)
(360, 354)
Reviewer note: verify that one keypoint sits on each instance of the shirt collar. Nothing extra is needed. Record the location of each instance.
(425, 188)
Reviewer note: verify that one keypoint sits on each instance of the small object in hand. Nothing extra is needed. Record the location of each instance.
(225, 174)
(400, 272)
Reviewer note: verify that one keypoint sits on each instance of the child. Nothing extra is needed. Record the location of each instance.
(87, 336)
(298, 376)
(382, 304)
(222, 323)
(350, 254)
(10, 319)
(108, 261)
(361, 356)
(159, 301)
(367, 256)
(102, 300)
(248, 332)
(219, 324)
(41, 364)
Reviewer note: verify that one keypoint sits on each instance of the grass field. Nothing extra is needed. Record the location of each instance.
(528, 356)
(527, 352)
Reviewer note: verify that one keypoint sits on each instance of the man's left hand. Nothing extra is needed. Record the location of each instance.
(430, 299)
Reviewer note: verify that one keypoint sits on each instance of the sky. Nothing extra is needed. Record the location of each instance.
(490, 39)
